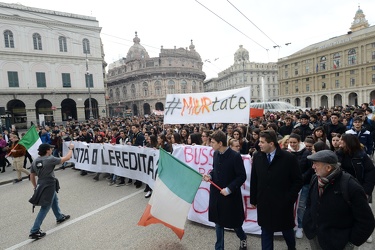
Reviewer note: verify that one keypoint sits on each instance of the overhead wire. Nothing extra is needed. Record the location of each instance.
(231, 25)
(252, 23)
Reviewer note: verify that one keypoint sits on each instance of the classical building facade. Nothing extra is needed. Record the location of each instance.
(336, 72)
(48, 60)
(138, 84)
(261, 77)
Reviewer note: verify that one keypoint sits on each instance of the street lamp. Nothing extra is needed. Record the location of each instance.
(88, 85)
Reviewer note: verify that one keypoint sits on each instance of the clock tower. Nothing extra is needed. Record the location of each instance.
(360, 21)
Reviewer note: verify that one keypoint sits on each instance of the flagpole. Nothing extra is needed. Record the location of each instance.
(213, 183)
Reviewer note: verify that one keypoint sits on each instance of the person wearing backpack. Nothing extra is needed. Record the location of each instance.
(330, 221)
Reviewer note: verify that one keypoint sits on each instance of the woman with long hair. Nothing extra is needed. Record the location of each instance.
(254, 142)
(319, 134)
(336, 142)
(355, 161)
(184, 134)
(195, 139)
(206, 139)
(237, 134)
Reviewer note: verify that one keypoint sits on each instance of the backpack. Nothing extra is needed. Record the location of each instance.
(344, 185)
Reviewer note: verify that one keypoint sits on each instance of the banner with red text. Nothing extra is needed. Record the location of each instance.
(222, 107)
(200, 159)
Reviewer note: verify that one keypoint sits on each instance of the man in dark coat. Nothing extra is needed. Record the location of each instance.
(226, 208)
(334, 127)
(331, 221)
(275, 182)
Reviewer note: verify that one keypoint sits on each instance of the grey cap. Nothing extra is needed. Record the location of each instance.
(326, 156)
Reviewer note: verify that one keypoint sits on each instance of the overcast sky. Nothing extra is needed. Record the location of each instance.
(175, 22)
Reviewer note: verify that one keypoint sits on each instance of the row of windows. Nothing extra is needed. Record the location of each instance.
(37, 42)
(41, 82)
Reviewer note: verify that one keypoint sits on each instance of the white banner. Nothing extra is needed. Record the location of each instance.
(222, 107)
(200, 158)
(129, 161)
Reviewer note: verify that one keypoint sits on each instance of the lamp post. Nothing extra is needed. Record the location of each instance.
(88, 85)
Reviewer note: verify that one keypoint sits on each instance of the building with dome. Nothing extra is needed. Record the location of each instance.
(43, 66)
(138, 84)
(261, 77)
(339, 71)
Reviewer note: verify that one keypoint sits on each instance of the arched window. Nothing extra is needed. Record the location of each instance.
(171, 87)
(145, 89)
(323, 61)
(194, 87)
(86, 46)
(336, 60)
(37, 40)
(124, 92)
(158, 88)
(8, 39)
(117, 94)
(111, 93)
(132, 90)
(183, 86)
(62, 44)
(352, 57)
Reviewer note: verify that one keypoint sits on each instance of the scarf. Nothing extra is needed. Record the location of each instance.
(324, 181)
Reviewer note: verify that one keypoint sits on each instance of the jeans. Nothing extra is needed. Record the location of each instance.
(302, 204)
(43, 212)
(219, 245)
(267, 239)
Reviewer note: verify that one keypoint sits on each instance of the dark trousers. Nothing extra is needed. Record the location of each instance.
(267, 239)
(219, 245)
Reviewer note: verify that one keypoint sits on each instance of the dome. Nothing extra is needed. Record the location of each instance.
(241, 54)
(274, 106)
(137, 51)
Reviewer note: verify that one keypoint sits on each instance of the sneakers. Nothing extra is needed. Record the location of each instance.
(299, 233)
(138, 184)
(64, 218)
(148, 194)
(369, 240)
(37, 235)
(243, 245)
(120, 184)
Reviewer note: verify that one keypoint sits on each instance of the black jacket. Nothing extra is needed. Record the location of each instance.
(333, 220)
(228, 171)
(361, 167)
(274, 189)
(44, 191)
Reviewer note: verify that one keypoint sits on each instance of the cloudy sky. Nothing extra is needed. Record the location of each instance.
(217, 27)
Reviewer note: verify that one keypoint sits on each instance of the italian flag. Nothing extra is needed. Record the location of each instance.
(31, 141)
(174, 191)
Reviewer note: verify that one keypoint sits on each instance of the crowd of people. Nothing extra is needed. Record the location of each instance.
(348, 133)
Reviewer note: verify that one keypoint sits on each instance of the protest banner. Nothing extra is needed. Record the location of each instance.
(123, 160)
(223, 106)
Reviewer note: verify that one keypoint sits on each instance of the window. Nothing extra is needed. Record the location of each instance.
(40, 79)
(337, 74)
(37, 40)
(323, 85)
(373, 55)
(171, 87)
(323, 60)
(13, 79)
(86, 46)
(117, 93)
(88, 78)
(286, 90)
(307, 87)
(194, 87)
(183, 86)
(307, 79)
(336, 60)
(62, 44)
(352, 72)
(145, 89)
(8, 39)
(306, 69)
(66, 80)
(286, 66)
(352, 56)
(286, 73)
(373, 78)
(124, 92)
(337, 84)
(132, 90)
(296, 72)
(296, 64)
(296, 88)
(323, 76)
(158, 88)
(373, 45)
(373, 67)
(352, 82)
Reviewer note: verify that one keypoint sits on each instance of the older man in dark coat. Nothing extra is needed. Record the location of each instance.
(226, 206)
(275, 182)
